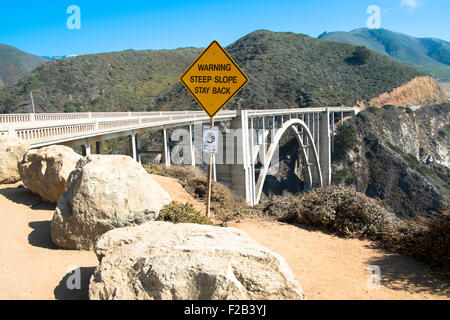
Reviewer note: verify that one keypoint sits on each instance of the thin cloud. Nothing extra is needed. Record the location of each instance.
(411, 4)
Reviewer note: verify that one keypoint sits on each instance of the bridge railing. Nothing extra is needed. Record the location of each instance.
(12, 118)
(29, 117)
(46, 132)
(58, 116)
(36, 131)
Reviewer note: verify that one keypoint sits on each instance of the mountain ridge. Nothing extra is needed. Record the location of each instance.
(15, 63)
(286, 70)
(430, 55)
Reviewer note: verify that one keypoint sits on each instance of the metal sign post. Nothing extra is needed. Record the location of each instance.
(208, 199)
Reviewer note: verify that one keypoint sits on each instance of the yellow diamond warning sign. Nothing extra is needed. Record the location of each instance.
(214, 78)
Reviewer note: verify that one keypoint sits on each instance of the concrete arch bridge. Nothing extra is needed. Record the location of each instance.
(248, 151)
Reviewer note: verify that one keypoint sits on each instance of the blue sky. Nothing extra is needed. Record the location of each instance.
(39, 27)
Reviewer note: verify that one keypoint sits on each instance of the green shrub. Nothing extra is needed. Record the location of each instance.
(224, 204)
(427, 239)
(370, 155)
(351, 180)
(363, 116)
(361, 55)
(182, 213)
(372, 109)
(340, 175)
(344, 140)
(341, 210)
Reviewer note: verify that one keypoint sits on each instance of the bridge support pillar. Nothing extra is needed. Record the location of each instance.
(166, 152)
(332, 132)
(98, 147)
(132, 146)
(324, 146)
(86, 148)
(138, 149)
(236, 173)
(191, 145)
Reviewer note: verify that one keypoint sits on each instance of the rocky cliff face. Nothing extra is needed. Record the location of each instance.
(402, 157)
(423, 90)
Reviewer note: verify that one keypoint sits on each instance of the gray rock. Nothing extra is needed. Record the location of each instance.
(161, 260)
(45, 171)
(104, 192)
(11, 152)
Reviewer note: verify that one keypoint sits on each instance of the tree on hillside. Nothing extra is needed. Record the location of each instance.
(361, 55)
(344, 140)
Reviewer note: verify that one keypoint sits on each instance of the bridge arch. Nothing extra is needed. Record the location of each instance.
(292, 124)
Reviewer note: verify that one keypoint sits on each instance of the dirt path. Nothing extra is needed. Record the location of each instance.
(329, 267)
(31, 267)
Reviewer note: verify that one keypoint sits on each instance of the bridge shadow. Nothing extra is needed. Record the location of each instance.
(62, 291)
(40, 236)
(399, 272)
(23, 196)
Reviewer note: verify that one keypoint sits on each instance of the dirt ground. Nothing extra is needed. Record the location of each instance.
(31, 267)
(327, 267)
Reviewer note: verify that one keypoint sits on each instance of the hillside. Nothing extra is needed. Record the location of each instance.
(15, 63)
(285, 69)
(401, 157)
(428, 55)
(419, 91)
(128, 80)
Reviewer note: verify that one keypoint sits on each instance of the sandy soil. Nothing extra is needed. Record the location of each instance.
(177, 192)
(327, 267)
(446, 86)
(31, 267)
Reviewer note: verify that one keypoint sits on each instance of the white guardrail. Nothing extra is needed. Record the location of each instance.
(38, 128)
(46, 127)
(29, 117)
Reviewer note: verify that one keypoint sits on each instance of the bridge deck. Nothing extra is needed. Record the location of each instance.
(51, 128)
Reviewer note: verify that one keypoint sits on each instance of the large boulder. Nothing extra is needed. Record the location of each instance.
(11, 152)
(45, 171)
(160, 260)
(103, 193)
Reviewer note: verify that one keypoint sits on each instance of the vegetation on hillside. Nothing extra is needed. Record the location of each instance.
(345, 139)
(338, 209)
(348, 213)
(360, 56)
(120, 81)
(428, 55)
(427, 239)
(398, 156)
(15, 63)
(224, 204)
(286, 70)
(182, 213)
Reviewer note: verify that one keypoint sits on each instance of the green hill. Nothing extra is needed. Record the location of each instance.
(15, 63)
(429, 55)
(285, 69)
